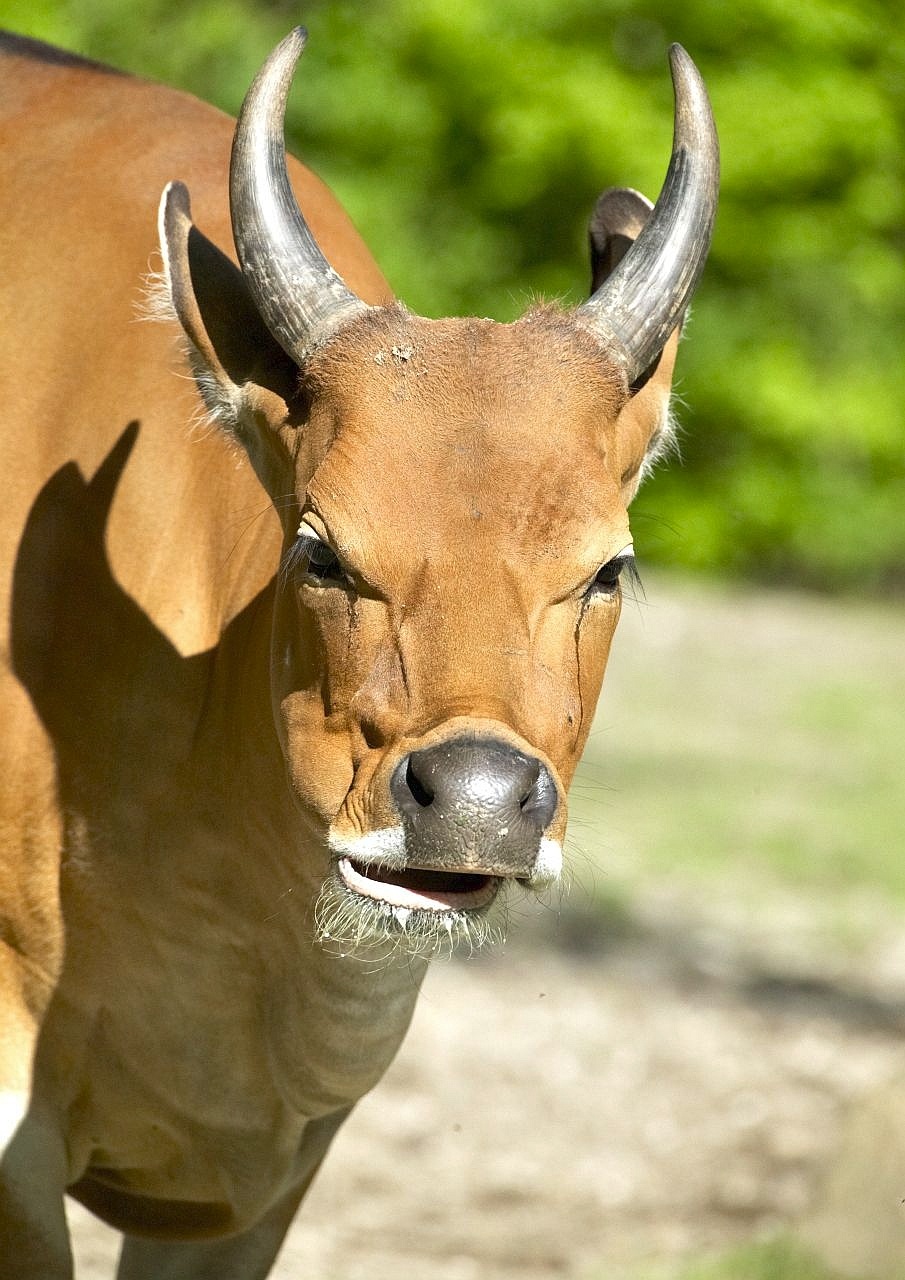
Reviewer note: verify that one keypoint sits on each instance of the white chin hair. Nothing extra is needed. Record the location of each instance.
(370, 929)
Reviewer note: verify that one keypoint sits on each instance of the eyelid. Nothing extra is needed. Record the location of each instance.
(309, 546)
(307, 530)
(627, 553)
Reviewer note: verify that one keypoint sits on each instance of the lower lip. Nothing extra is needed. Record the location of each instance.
(397, 895)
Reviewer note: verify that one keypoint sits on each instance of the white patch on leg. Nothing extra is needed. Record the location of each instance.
(13, 1109)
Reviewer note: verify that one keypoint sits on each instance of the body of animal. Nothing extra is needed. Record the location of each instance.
(300, 650)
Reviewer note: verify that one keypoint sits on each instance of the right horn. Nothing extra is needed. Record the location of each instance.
(638, 306)
(301, 299)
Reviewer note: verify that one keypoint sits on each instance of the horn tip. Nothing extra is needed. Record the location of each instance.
(297, 39)
(287, 53)
(688, 81)
(680, 61)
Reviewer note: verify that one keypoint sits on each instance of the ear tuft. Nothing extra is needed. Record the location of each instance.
(230, 347)
(175, 227)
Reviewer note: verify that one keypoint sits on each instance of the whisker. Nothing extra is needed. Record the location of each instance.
(250, 522)
(377, 933)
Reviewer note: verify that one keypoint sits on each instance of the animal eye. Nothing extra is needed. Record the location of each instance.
(320, 561)
(607, 578)
(314, 560)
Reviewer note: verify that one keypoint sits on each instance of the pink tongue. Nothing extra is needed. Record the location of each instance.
(415, 888)
(419, 880)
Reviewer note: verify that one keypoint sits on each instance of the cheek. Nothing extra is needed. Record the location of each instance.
(309, 677)
(570, 658)
(313, 648)
(327, 655)
(317, 758)
(592, 645)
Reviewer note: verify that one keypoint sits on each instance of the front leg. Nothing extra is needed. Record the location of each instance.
(34, 1236)
(247, 1256)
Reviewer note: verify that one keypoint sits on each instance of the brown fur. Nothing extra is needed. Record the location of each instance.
(186, 729)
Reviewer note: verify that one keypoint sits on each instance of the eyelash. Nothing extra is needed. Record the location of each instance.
(608, 575)
(314, 559)
(317, 561)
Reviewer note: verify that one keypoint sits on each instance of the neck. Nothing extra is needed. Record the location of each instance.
(333, 1022)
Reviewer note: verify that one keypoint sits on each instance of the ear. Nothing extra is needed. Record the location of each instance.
(644, 429)
(248, 383)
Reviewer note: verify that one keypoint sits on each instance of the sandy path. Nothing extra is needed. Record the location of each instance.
(551, 1115)
(579, 1102)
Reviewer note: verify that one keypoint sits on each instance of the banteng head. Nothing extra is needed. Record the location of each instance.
(450, 583)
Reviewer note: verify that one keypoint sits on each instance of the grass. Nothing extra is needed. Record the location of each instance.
(779, 1259)
(748, 751)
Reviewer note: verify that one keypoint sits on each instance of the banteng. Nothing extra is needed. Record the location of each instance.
(300, 652)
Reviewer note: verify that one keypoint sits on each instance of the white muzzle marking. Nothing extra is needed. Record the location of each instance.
(386, 849)
(548, 865)
(383, 848)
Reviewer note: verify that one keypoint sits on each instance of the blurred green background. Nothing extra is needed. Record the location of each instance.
(469, 141)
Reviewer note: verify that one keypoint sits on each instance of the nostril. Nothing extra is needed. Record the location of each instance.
(531, 784)
(422, 794)
(469, 784)
(540, 803)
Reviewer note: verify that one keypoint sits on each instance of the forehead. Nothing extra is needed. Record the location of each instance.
(471, 421)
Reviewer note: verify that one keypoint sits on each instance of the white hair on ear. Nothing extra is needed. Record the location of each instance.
(154, 304)
(663, 443)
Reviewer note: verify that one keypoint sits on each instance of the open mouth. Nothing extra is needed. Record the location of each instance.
(416, 888)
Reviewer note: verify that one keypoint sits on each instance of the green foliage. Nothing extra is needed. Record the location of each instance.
(469, 141)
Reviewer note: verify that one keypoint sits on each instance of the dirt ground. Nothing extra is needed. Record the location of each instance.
(563, 1108)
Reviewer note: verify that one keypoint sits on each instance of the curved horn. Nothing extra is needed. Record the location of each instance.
(302, 300)
(639, 305)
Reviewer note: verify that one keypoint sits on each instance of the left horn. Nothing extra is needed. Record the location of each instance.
(640, 304)
(302, 300)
